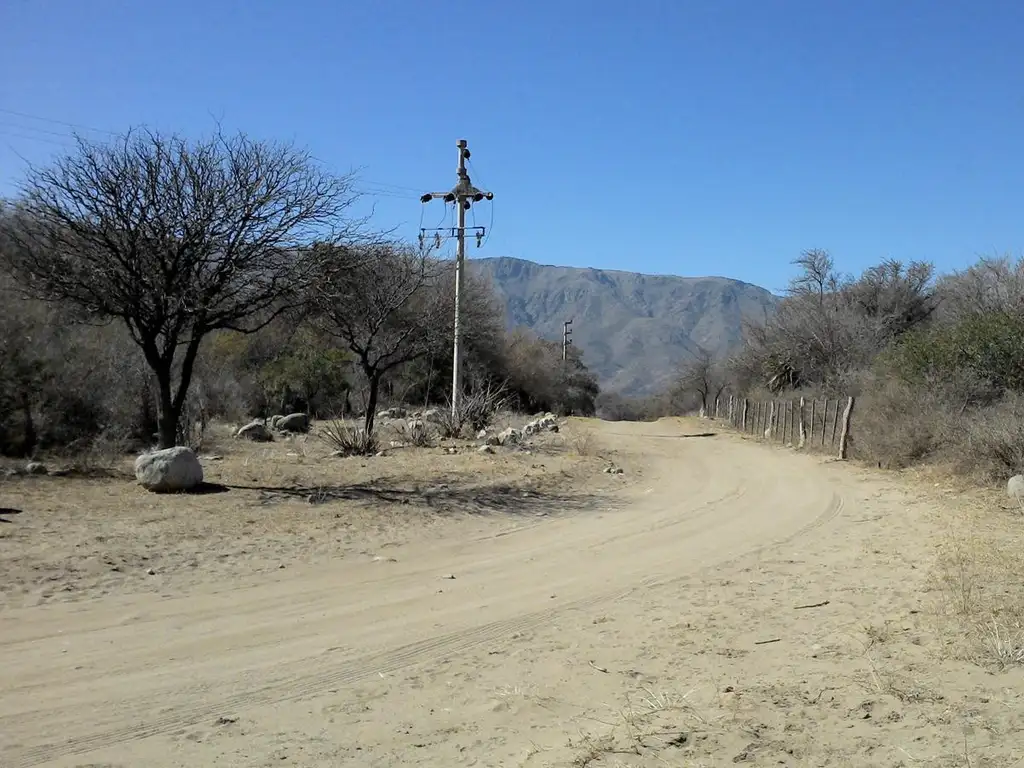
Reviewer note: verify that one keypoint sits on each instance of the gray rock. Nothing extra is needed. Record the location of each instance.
(255, 430)
(481, 435)
(510, 436)
(485, 449)
(547, 422)
(36, 468)
(1015, 487)
(432, 414)
(293, 422)
(274, 420)
(169, 470)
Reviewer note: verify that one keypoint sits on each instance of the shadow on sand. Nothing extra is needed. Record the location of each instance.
(480, 500)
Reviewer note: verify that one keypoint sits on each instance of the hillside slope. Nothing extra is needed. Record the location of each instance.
(634, 329)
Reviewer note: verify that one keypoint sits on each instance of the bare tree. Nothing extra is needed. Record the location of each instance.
(704, 377)
(990, 285)
(379, 301)
(176, 238)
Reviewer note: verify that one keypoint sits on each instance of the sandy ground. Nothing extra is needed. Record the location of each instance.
(718, 603)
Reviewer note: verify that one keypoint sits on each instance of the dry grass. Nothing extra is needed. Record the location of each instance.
(649, 723)
(979, 570)
(267, 506)
(582, 442)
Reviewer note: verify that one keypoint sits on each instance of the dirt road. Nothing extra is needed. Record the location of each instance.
(540, 642)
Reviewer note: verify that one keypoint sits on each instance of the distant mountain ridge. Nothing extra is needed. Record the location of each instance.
(634, 329)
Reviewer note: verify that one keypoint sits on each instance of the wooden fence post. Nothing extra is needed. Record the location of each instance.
(786, 421)
(835, 425)
(769, 421)
(743, 416)
(731, 403)
(844, 438)
(802, 427)
(814, 402)
(716, 407)
(824, 421)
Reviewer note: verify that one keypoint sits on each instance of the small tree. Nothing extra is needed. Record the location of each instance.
(309, 373)
(379, 302)
(175, 238)
(703, 377)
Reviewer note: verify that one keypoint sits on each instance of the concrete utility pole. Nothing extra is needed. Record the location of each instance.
(566, 341)
(462, 195)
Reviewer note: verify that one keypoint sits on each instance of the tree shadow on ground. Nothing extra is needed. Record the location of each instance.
(666, 437)
(5, 511)
(473, 500)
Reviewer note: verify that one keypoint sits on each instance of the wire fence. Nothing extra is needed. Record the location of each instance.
(813, 424)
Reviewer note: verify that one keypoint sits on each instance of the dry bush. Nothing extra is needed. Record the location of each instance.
(583, 442)
(415, 432)
(992, 441)
(348, 440)
(476, 411)
(896, 425)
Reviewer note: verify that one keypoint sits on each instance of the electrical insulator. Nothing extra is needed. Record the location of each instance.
(479, 238)
(421, 239)
(437, 240)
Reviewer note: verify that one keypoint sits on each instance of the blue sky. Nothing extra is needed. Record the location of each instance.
(670, 137)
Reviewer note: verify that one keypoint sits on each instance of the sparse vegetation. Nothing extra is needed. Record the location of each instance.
(476, 411)
(935, 363)
(349, 440)
(224, 278)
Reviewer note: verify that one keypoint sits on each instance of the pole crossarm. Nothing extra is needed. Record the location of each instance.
(463, 191)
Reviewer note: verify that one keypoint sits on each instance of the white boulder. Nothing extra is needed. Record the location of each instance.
(255, 430)
(1015, 487)
(169, 470)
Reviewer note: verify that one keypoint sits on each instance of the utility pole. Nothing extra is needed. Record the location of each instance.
(462, 196)
(566, 341)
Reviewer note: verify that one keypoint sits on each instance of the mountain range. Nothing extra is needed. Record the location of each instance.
(634, 330)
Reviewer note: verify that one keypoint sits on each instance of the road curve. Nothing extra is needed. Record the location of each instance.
(91, 676)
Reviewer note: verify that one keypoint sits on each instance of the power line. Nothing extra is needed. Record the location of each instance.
(28, 116)
(47, 136)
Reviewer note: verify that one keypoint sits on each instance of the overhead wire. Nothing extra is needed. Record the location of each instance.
(37, 133)
(371, 187)
(490, 226)
(28, 116)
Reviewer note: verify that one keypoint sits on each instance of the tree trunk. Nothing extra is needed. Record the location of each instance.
(373, 379)
(167, 417)
(28, 436)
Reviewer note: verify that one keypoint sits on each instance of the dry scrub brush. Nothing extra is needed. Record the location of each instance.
(476, 411)
(583, 442)
(415, 433)
(347, 439)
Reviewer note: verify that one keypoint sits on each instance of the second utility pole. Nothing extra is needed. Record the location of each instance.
(463, 195)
